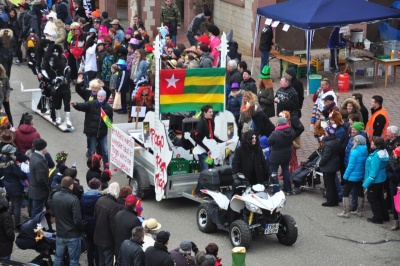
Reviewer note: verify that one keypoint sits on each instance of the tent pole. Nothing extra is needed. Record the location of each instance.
(258, 20)
(308, 45)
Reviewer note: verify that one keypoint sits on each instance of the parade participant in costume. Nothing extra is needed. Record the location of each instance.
(78, 43)
(144, 97)
(57, 71)
(266, 92)
(32, 44)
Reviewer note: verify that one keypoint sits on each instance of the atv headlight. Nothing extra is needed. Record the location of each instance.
(280, 205)
(253, 208)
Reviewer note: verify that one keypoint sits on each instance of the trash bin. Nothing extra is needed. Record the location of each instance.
(315, 83)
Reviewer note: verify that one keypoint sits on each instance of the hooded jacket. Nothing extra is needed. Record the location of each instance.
(375, 167)
(24, 136)
(356, 108)
(234, 103)
(11, 176)
(61, 33)
(206, 60)
(356, 167)
(281, 144)
(88, 203)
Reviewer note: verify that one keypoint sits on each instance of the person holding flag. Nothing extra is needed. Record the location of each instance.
(98, 118)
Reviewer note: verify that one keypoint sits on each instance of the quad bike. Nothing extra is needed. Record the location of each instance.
(245, 211)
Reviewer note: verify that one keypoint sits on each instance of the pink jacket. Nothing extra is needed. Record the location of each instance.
(214, 43)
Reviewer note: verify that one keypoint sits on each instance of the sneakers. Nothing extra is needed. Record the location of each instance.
(17, 62)
(343, 214)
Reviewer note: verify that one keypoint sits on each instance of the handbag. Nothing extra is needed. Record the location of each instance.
(117, 101)
(297, 143)
(396, 200)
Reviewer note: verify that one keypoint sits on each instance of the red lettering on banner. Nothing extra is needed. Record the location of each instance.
(156, 140)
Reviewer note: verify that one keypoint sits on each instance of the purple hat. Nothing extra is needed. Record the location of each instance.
(331, 129)
(129, 31)
(235, 85)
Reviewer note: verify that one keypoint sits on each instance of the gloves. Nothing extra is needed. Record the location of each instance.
(194, 248)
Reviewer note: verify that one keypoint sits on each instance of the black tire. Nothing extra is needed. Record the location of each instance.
(240, 234)
(140, 182)
(287, 234)
(204, 222)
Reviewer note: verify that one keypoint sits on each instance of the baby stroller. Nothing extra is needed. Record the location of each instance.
(307, 175)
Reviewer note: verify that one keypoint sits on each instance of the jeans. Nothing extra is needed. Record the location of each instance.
(203, 166)
(6, 257)
(192, 40)
(354, 198)
(286, 175)
(106, 256)
(264, 59)
(93, 141)
(74, 250)
(15, 209)
(37, 207)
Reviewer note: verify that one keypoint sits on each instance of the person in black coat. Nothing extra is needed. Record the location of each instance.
(364, 111)
(281, 151)
(131, 251)
(261, 123)
(250, 160)
(94, 127)
(127, 220)
(158, 255)
(104, 233)
(329, 165)
(12, 177)
(298, 86)
(95, 163)
(7, 234)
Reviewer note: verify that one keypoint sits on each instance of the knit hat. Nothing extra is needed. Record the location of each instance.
(331, 129)
(3, 199)
(61, 157)
(204, 48)
(235, 85)
(207, 12)
(291, 72)
(208, 260)
(39, 144)
(360, 139)
(281, 121)
(131, 200)
(359, 126)
(8, 149)
(129, 31)
(185, 245)
(265, 73)
(94, 183)
(162, 236)
(102, 93)
(397, 151)
(176, 52)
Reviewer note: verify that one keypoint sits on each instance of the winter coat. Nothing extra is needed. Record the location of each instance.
(105, 211)
(181, 260)
(356, 108)
(39, 181)
(61, 33)
(286, 94)
(5, 86)
(330, 162)
(195, 26)
(12, 176)
(6, 50)
(296, 124)
(266, 97)
(249, 85)
(88, 203)
(375, 167)
(299, 88)
(67, 211)
(356, 166)
(206, 60)
(99, 61)
(94, 125)
(131, 253)
(234, 103)
(7, 234)
(14, 25)
(63, 13)
(266, 39)
(280, 141)
(158, 255)
(127, 220)
(93, 173)
(349, 146)
(234, 76)
(214, 43)
(393, 171)
(24, 136)
(252, 164)
(263, 126)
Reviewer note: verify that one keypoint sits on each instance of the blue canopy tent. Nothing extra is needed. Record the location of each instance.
(310, 15)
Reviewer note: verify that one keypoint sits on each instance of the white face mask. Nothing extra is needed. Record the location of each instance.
(55, 52)
(51, 61)
(46, 48)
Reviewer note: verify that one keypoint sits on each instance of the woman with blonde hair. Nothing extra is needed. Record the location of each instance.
(352, 107)
(354, 175)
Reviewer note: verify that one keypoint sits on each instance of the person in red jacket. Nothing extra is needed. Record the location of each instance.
(25, 134)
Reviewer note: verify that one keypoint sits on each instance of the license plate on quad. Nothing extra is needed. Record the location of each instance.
(271, 229)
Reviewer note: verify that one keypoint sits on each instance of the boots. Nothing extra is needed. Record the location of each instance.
(360, 207)
(68, 119)
(395, 225)
(58, 117)
(346, 204)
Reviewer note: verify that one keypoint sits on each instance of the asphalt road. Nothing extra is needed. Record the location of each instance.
(319, 228)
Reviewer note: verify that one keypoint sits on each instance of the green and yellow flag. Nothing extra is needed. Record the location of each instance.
(106, 119)
(190, 89)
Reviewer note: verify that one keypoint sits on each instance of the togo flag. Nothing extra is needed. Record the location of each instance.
(105, 118)
(189, 89)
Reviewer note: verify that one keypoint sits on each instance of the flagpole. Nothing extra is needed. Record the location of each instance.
(224, 52)
(157, 56)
